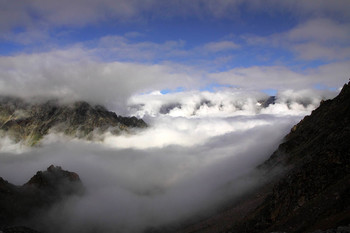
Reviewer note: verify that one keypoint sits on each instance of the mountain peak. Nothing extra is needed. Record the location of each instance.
(52, 176)
(44, 189)
(29, 122)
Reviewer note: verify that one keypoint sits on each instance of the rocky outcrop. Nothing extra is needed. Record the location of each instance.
(29, 122)
(267, 102)
(40, 192)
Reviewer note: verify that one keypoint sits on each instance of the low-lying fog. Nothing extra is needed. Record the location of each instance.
(187, 162)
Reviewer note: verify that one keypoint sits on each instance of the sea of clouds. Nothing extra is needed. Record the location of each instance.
(199, 150)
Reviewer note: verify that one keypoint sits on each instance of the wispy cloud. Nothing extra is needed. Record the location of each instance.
(320, 38)
(220, 46)
(281, 77)
(31, 13)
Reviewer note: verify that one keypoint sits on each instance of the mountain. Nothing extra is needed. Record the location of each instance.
(44, 189)
(29, 122)
(312, 188)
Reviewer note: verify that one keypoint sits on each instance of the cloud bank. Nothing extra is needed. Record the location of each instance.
(76, 73)
(130, 190)
(181, 167)
(228, 103)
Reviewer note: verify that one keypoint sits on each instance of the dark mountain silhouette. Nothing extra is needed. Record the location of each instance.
(29, 122)
(313, 191)
(18, 203)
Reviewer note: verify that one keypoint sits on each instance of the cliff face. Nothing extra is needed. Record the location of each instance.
(23, 121)
(312, 193)
(40, 192)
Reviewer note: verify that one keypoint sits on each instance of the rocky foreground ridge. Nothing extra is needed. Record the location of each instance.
(30, 122)
(312, 194)
(19, 203)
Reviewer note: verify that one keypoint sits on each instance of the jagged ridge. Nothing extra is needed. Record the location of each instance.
(315, 192)
(41, 191)
(27, 122)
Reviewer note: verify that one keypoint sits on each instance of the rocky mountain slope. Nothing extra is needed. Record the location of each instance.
(312, 192)
(44, 189)
(29, 122)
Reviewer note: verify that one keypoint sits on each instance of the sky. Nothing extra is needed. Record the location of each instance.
(112, 50)
(197, 71)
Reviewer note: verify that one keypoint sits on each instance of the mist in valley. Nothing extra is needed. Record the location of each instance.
(199, 151)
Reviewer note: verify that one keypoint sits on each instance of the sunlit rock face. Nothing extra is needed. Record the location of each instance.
(30, 122)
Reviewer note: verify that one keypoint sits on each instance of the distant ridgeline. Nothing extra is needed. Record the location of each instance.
(30, 122)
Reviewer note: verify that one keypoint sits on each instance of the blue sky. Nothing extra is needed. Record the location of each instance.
(138, 46)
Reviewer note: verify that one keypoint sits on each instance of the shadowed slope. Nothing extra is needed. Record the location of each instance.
(312, 192)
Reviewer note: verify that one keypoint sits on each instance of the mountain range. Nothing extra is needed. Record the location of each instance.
(30, 122)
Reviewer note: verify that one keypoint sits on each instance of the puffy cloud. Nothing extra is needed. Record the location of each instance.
(75, 74)
(223, 104)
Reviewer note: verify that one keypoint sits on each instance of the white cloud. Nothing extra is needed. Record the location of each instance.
(281, 77)
(314, 51)
(75, 74)
(321, 30)
(180, 131)
(130, 189)
(221, 105)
